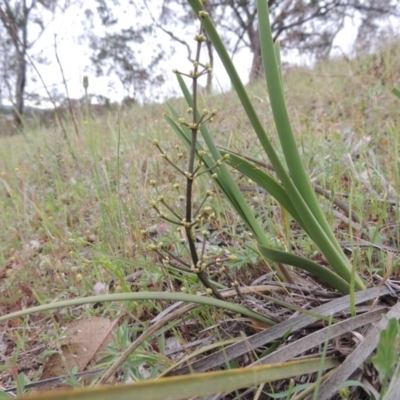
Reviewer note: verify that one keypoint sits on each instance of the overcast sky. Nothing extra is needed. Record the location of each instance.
(65, 30)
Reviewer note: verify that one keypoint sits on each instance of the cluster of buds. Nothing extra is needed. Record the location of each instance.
(206, 117)
(198, 171)
(196, 72)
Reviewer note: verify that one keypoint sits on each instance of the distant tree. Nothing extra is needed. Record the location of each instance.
(16, 18)
(126, 47)
(308, 26)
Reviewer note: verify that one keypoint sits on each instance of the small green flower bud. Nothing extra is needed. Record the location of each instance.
(152, 182)
(176, 185)
(152, 247)
(201, 153)
(160, 199)
(181, 121)
(205, 233)
(203, 14)
(232, 257)
(214, 112)
(214, 176)
(209, 291)
(200, 38)
(181, 198)
(190, 110)
(219, 162)
(209, 193)
(155, 142)
(205, 112)
(227, 156)
(152, 203)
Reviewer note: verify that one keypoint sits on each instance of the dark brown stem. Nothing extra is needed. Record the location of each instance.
(189, 180)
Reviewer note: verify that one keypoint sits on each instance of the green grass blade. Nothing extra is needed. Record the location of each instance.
(318, 270)
(197, 385)
(265, 181)
(190, 298)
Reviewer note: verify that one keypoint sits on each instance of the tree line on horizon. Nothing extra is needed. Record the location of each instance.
(309, 27)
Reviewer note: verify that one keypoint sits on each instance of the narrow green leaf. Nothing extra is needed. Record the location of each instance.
(396, 92)
(281, 115)
(318, 270)
(264, 180)
(277, 52)
(189, 298)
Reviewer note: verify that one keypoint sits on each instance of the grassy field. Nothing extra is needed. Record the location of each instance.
(73, 204)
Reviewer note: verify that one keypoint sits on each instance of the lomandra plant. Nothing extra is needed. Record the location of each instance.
(292, 187)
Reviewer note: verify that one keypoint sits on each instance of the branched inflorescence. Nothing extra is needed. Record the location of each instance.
(191, 218)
